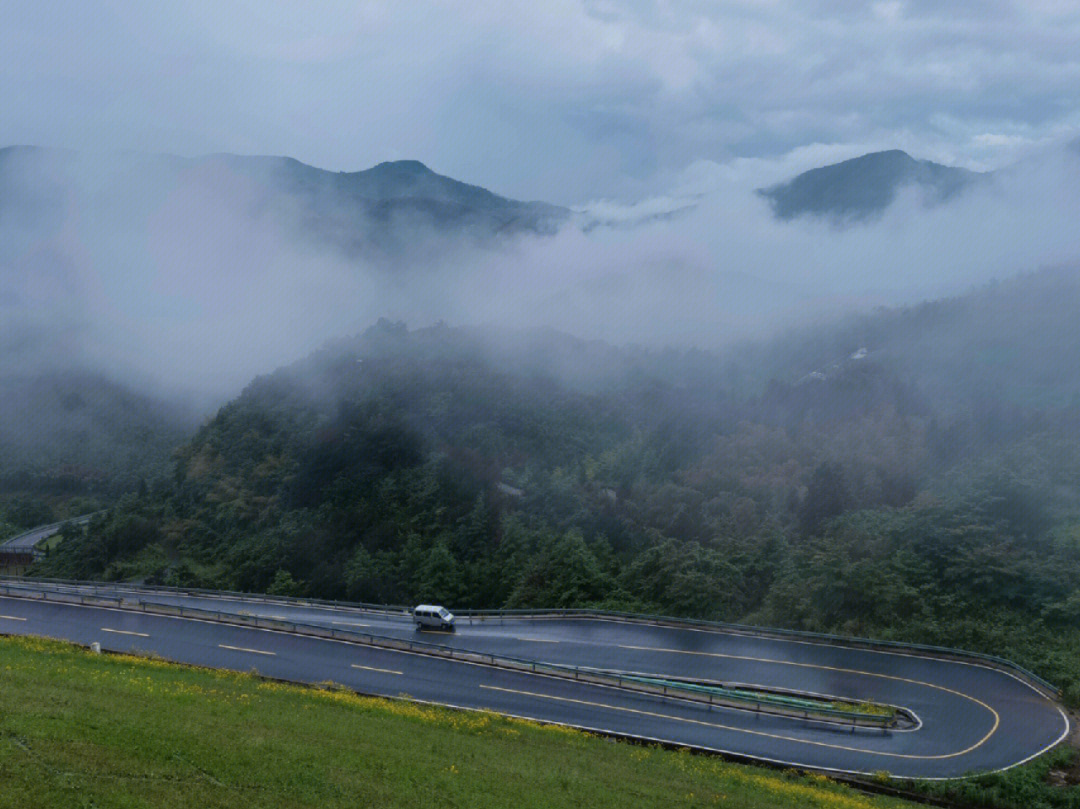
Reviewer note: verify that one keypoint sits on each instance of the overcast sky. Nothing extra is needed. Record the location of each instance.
(559, 100)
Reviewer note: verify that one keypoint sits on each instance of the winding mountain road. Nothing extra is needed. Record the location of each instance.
(971, 717)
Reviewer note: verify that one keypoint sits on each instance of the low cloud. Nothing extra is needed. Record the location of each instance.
(721, 268)
(196, 279)
(564, 101)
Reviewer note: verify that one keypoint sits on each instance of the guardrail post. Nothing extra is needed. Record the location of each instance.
(993, 661)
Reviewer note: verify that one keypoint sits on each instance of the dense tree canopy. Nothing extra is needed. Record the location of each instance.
(438, 465)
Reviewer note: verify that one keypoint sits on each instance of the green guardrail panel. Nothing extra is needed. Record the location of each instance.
(764, 699)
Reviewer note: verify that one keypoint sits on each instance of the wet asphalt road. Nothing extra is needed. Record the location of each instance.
(972, 718)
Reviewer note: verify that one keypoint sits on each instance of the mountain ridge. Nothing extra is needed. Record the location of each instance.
(355, 209)
(862, 187)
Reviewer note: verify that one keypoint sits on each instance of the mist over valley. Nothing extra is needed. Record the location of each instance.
(703, 374)
(189, 276)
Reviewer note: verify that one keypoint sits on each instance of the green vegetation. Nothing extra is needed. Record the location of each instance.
(20, 512)
(871, 708)
(489, 470)
(192, 737)
(1051, 781)
(872, 711)
(79, 434)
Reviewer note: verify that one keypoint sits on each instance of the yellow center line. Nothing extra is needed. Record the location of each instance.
(719, 726)
(805, 666)
(373, 668)
(979, 702)
(125, 632)
(242, 649)
(12, 618)
(348, 623)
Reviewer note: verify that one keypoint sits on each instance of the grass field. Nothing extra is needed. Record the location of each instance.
(84, 730)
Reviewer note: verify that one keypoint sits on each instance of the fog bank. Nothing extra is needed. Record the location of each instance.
(192, 276)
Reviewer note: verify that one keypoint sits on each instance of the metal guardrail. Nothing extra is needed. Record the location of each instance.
(713, 697)
(794, 703)
(820, 637)
(53, 528)
(232, 595)
(630, 617)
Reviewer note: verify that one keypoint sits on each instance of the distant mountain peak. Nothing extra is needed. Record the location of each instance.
(411, 190)
(383, 210)
(884, 157)
(886, 154)
(402, 166)
(864, 186)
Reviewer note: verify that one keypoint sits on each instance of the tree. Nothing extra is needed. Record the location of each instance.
(566, 575)
(285, 585)
(683, 578)
(440, 577)
(826, 497)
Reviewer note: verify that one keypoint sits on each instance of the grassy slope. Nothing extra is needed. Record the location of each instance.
(79, 730)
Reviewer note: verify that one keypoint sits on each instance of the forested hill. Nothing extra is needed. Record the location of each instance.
(488, 469)
(1012, 347)
(81, 432)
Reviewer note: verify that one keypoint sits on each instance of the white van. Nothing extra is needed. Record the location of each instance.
(427, 615)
